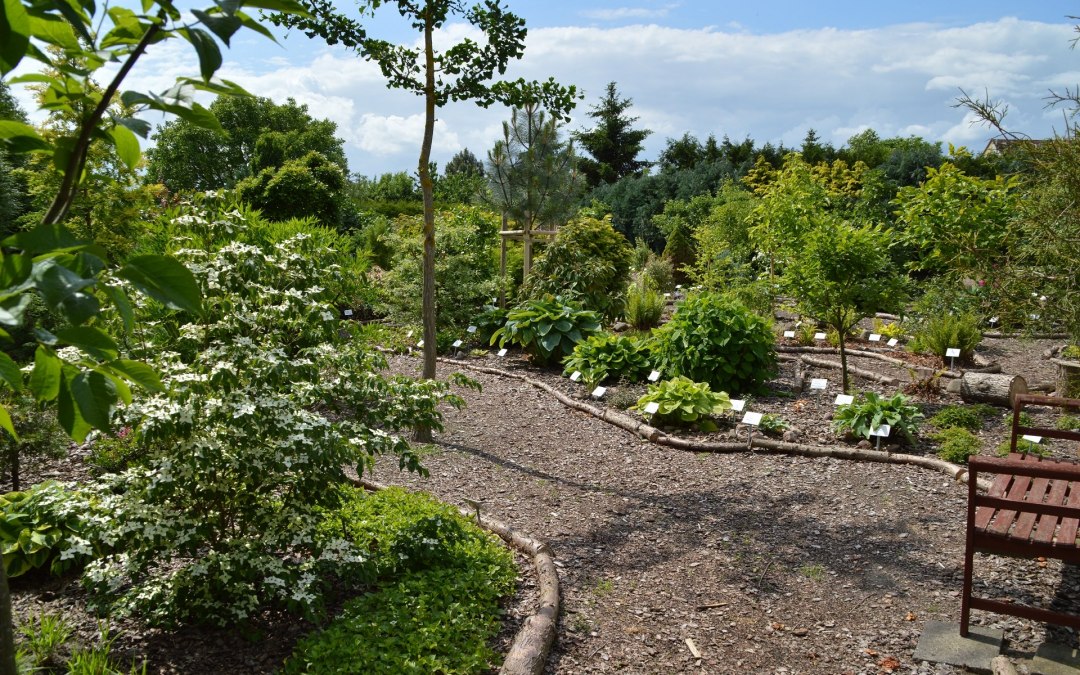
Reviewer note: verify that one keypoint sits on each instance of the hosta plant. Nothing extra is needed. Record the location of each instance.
(869, 411)
(548, 328)
(43, 528)
(680, 400)
(610, 356)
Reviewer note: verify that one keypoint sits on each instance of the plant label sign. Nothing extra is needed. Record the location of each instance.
(409, 334)
(348, 312)
(953, 352)
(844, 399)
(457, 343)
(1033, 439)
(667, 295)
(893, 342)
(651, 408)
(819, 336)
(882, 431)
(599, 392)
(875, 337)
(994, 320)
(654, 376)
(752, 418)
(819, 383)
(420, 344)
(737, 404)
(470, 329)
(502, 352)
(575, 376)
(678, 287)
(789, 333)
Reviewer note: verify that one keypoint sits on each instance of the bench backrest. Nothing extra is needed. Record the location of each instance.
(1022, 400)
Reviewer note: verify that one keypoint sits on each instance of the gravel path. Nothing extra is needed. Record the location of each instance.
(767, 564)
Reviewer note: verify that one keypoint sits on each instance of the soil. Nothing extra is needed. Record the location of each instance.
(763, 563)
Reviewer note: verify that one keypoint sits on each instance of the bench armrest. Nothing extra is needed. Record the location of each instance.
(1018, 465)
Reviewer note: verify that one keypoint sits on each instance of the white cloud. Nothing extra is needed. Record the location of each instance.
(621, 13)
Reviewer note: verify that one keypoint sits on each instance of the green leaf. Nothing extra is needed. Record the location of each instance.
(164, 279)
(14, 35)
(6, 425)
(207, 49)
(21, 137)
(139, 373)
(123, 305)
(10, 373)
(95, 397)
(127, 146)
(550, 341)
(45, 377)
(221, 25)
(67, 413)
(54, 31)
(94, 341)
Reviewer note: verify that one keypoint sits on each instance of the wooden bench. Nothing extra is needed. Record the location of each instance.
(1032, 510)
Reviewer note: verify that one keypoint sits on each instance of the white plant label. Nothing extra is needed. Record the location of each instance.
(994, 320)
(348, 312)
(819, 383)
(420, 344)
(737, 404)
(844, 399)
(651, 408)
(1033, 439)
(752, 418)
(470, 329)
(575, 376)
(819, 336)
(457, 343)
(654, 376)
(502, 352)
(409, 334)
(875, 337)
(798, 323)
(893, 342)
(667, 295)
(599, 392)
(952, 352)
(789, 333)
(882, 431)
(678, 287)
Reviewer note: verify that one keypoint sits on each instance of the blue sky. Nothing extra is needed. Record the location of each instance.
(768, 69)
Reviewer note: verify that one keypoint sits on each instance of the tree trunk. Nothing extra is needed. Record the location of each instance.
(843, 361)
(7, 627)
(991, 388)
(423, 434)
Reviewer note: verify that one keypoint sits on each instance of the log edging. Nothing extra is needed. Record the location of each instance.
(528, 653)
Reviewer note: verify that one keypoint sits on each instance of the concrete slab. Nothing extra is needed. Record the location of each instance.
(1055, 659)
(941, 643)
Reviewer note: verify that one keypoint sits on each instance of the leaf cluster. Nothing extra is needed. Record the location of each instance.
(968, 417)
(548, 328)
(957, 444)
(869, 411)
(681, 400)
(42, 528)
(938, 334)
(605, 356)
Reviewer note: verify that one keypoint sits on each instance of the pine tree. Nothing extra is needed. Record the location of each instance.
(613, 143)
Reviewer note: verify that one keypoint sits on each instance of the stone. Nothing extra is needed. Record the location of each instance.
(1055, 659)
(940, 642)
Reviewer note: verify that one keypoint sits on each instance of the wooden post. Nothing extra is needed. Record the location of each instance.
(526, 237)
(502, 268)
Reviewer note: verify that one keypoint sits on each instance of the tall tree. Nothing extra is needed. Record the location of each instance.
(461, 72)
(613, 143)
(464, 163)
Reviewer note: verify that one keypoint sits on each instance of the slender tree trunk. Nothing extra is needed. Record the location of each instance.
(843, 360)
(7, 628)
(427, 188)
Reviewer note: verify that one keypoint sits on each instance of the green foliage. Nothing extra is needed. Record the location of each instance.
(644, 306)
(114, 452)
(681, 400)
(443, 580)
(889, 330)
(960, 224)
(724, 251)
(957, 444)
(869, 411)
(42, 640)
(43, 528)
(39, 435)
(1071, 352)
(548, 328)
(772, 424)
(1068, 423)
(307, 186)
(718, 341)
(465, 268)
(1023, 446)
(490, 320)
(659, 273)
(266, 403)
(937, 334)
(613, 144)
(610, 356)
(970, 417)
(589, 262)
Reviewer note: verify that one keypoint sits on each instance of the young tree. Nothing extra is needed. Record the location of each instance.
(613, 143)
(532, 174)
(464, 163)
(842, 275)
(461, 72)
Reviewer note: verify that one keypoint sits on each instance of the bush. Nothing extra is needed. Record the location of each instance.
(588, 262)
(1068, 423)
(442, 583)
(39, 432)
(115, 452)
(610, 356)
(659, 273)
(957, 444)
(772, 424)
(680, 400)
(644, 306)
(548, 328)
(889, 330)
(936, 335)
(870, 411)
(43, 527)
(968, 417)
(1024, 446)
(718, 341)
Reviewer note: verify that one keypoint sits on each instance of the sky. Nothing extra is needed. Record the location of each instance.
(767, 69)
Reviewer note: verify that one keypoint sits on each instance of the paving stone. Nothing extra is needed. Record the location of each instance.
(1055, 659)
(941, 643)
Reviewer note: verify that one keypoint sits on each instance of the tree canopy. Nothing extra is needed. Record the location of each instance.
(613, 144)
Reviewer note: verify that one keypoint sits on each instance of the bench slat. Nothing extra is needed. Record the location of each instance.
(1044, 532)
(983, 514)
(1027, 519)
(1005, 517)
(1067, 533)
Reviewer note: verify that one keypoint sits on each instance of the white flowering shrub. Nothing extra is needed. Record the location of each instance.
(268, 402)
